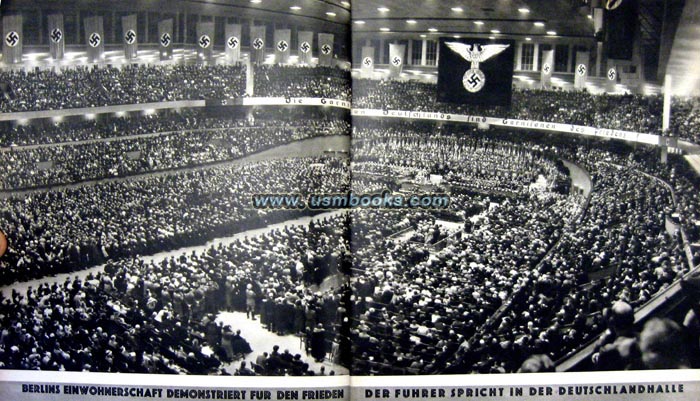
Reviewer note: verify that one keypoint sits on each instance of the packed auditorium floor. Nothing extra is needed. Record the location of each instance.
(157, 273)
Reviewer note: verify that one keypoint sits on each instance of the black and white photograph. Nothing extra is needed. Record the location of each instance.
(572, 216)
(400, 199)
(134, 136)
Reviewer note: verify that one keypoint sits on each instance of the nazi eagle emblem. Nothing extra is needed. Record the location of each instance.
(474, 79)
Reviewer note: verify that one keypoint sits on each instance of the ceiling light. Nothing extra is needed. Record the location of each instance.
(495, 31)
(551, 33)
(384, 29)
(295, 8)
(539, 23)
(410, 21)
(360, 22)
(528, 39)
(255, 1)
(457, 9)
(422, 35)
(524, 10)
(432, 29)
(345, 3)
(330, 14)
(492, 37)
(479, 22)
(382, 9)
(456, 36)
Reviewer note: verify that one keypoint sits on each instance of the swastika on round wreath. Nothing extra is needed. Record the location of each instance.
(165, 39)
(56, 35)
(473, 80)
(95, 39)
(204, 41)
(233, 42)
(12, 38)
(581, 69)
(130, 37)
(282, 45)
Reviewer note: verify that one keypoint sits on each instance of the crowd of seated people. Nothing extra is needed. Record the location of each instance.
(301, 81)
(554, 306)
(93, 130)
(179, 147)
(66, 229)
(660, 343)
(413, 305)
(677, 173)
(79, 86)
(158, 316)
(531, 273)
(276, 363)
(477, 164)
(624, 112)
(685, 119)
(557, 310)
(87, 130)
(96, 325)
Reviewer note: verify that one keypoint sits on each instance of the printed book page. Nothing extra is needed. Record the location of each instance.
(158, 165)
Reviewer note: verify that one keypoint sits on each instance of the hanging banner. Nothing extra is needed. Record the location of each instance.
(621, 23)
(282, 40)
(464, 80)
(367, 62)
(581, 70)
(612, 77)
(257, 44)
(165, 39)
(547, 68)
(12, 43)
(563, 127)
(306, 41)
(396, 59)
(94, 39)
(205, 41)
(57, 42)
(325, 49)
(233, 43)
(129, 34)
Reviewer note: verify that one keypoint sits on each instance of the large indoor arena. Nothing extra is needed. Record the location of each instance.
(140, 143)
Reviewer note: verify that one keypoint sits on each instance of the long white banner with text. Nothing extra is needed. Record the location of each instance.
(507, 122)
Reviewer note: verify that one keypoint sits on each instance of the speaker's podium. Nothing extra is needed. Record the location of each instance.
(423, 183)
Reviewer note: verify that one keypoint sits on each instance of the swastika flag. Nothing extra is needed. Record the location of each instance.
(475, 71)
(165, 39)
(94, 38)
(12, 38)
(130, 34)
(57, 35)
(282, 45)
(233, 42)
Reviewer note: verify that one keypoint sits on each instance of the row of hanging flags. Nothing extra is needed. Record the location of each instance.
(397, 58)
(582, 69)
(94, 41)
